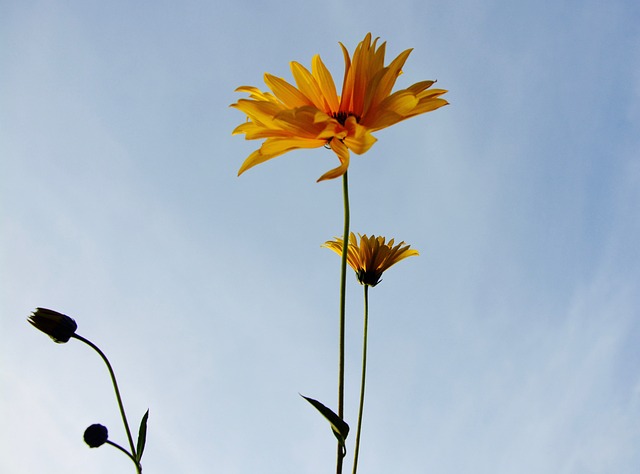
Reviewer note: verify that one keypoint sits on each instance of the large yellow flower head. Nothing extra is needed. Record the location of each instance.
(370, 257)
(311, 114)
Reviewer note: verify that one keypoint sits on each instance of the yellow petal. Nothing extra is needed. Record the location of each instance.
(343, 154)
(258, 109)
(308, 85)
(284, 91)
(392, 72)
(306, 122)
(252, 160)
(347, 89)
(274, 147)
(420, 86)
(278, 146)
(429, 105)
(385, 80)
(432, 93)
(401, 103)
(254, 131)
(325, 81)
(359, 138)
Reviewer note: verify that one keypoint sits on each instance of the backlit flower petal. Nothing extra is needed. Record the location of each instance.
(342, 151)
(359, 138)
(325, 81)
(308, 85)
(274, 147)
(385, 81)
(289, 95)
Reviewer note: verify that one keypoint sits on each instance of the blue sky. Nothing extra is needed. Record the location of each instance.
(509, 346)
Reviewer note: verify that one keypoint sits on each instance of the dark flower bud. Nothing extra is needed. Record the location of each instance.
(58, 326)
(96, 435)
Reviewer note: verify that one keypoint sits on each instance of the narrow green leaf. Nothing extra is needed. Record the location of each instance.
(142, 436)
(339, 427)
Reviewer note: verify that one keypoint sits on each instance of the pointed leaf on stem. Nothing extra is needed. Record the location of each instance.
(142, 436)
(339, 427)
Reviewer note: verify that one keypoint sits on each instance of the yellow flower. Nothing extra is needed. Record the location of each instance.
(311, 114)
(372, 256)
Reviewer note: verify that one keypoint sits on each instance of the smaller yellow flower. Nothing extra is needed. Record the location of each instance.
(371, 256)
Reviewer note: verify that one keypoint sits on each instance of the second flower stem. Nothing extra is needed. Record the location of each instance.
(120, 448)
(343, 297)
(364, 375)
(118, 397)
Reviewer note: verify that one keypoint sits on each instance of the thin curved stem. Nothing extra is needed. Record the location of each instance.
(364, 374)
(118, 397)
(117, 446)
(343, 297)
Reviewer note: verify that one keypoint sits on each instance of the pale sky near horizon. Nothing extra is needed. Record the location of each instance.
(511, 345)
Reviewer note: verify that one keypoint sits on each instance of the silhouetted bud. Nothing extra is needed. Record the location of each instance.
(58, 326)
(96, 435)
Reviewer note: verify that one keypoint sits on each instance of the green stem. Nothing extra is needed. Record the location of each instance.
(118, 397)
(343, 296)
(117, 446)
(364, 374)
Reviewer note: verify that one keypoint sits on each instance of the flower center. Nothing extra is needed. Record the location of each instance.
(342, 117)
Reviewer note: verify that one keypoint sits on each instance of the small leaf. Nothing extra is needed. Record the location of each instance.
(339, 427)
(142, 436)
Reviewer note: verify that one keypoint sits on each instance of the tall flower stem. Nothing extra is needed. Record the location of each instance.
(118, 397)
(364, 374)
(343, 297)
